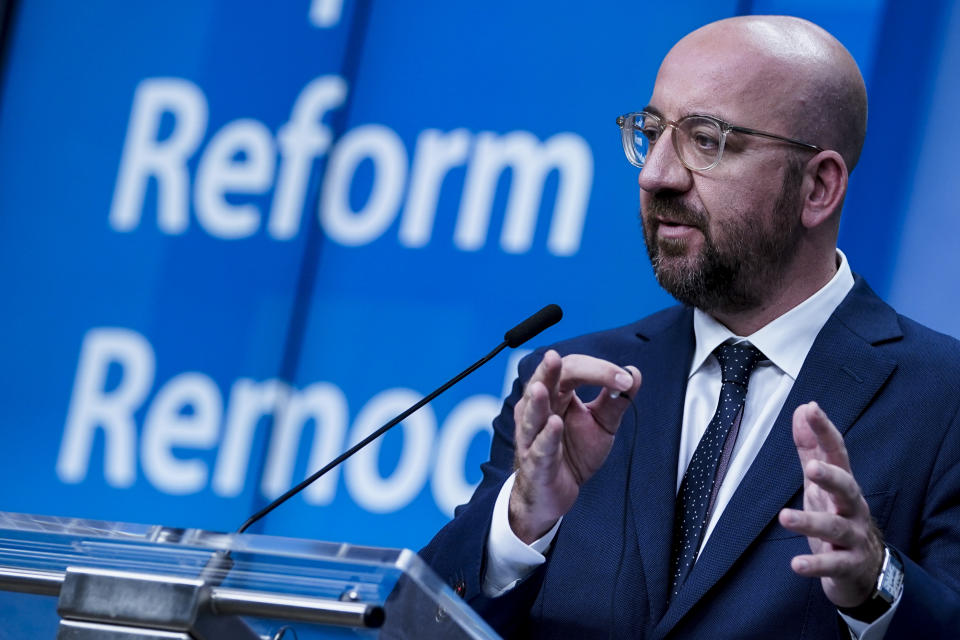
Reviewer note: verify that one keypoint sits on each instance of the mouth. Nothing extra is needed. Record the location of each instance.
(674, 229)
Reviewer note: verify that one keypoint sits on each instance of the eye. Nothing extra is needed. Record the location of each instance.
(705, 137)
(651, 132)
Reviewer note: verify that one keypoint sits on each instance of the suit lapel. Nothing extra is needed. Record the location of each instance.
(664, 360)
(842, 372)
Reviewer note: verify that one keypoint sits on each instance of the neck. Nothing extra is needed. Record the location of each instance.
(798, 282)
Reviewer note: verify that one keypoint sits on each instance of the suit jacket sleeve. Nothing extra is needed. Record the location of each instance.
(458, 551)
(930, 607)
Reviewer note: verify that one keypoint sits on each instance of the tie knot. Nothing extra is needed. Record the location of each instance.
(737, 361)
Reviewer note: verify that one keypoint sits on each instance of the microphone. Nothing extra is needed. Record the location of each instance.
(546, 317)
(538, 322)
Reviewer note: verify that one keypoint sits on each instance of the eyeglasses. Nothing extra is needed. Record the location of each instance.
(698, 140)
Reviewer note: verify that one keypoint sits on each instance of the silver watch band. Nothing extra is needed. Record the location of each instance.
(890, 581)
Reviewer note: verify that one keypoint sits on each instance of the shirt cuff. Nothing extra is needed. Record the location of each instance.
(872, 630)
(510, 559)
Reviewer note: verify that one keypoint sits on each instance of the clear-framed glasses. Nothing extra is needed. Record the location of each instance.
(698, 139)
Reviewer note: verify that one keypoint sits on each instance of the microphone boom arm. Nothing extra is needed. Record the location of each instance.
(545, 317)
(370, 438)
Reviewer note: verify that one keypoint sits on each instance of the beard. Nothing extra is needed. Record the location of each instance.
(740, 262)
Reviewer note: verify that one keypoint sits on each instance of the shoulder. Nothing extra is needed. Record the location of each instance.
(878, 323)
(928, 348)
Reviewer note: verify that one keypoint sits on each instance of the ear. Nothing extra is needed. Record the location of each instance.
(824, 187)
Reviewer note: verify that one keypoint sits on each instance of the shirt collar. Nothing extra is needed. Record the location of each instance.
(786, 340)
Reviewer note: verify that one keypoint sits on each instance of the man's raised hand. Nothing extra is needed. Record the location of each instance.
(846, 547)
(560, 440)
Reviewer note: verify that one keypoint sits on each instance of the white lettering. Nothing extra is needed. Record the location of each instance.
(469, 418)
(326, 405)
(145, 156)
(241, 159)
(301, 140)
(366, 486)
(249, 402)
(93, 407)
(325, 13)
(184, 421)
(221, 171)
(384, 147)
(530, 163)
(167, 425)
(436, 154)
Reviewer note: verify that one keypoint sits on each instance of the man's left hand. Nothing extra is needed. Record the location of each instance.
(847, 551)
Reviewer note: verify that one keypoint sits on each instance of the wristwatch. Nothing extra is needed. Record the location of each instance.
(888, 588)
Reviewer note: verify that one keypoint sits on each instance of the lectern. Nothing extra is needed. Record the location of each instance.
(82, 579)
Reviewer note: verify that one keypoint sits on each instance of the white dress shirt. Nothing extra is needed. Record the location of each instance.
(784, 343)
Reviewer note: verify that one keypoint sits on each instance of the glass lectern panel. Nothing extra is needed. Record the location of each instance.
(69, 578)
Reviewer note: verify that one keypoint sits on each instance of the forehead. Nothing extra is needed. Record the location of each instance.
(727, 79)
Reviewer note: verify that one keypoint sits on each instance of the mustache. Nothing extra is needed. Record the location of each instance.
(670, 209)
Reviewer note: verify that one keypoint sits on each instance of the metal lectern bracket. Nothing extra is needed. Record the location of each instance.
(101, 603)
(104, 603)
(116, 597)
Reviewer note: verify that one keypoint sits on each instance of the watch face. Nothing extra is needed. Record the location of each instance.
(890, 584)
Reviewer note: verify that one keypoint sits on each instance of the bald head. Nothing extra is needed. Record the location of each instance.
(806, 80)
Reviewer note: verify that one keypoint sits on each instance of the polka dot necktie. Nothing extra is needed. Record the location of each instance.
(737, 361)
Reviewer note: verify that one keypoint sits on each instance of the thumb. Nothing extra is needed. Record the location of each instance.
(608, 407)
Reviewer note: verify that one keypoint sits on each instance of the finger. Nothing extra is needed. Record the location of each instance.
(532, 415)
(608, 409)
(546, 452)
(580, 370)
(837, 530)
(842, 564)
(535, 503)
(840, 484)
(548, 373)
(804, 437)
(819, 436)
(519, 410)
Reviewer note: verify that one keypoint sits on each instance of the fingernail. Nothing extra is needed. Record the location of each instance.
(624, 381)
(803, 565)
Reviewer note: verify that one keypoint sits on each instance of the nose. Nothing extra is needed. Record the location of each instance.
(662, 170)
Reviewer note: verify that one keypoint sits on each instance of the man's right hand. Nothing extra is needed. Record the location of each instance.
(560, 440)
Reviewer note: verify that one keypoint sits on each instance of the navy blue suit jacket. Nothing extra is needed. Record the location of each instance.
(891, 386)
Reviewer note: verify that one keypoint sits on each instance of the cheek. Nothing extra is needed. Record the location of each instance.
(645, 208)
(727, 204)
(717, 201)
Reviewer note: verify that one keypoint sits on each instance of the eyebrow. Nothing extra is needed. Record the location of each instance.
(653, 110)
(659, 114)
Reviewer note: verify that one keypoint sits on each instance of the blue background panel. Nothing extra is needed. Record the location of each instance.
(358, 208)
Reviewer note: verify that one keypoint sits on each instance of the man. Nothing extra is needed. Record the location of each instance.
(718, 499)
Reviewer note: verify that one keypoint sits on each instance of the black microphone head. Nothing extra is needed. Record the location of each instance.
(546, 317)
